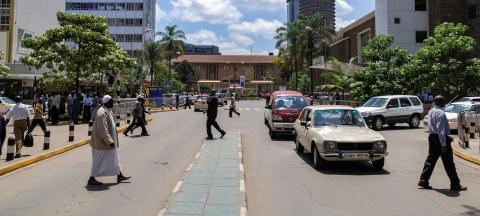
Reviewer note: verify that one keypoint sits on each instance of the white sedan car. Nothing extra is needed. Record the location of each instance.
(200, 103)
(452, 110)
(338, 133)
(6, 104)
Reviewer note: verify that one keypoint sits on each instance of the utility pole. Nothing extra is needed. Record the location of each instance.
(310, 56)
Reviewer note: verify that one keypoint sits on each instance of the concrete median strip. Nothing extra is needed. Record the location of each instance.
(465, 156)
(213, 184)
(34, 159)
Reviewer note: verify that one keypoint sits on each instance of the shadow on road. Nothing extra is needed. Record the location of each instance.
(401, 127)
(345, 167)
(471, 210)
(448, 192)
(103, 187)
(284, 137)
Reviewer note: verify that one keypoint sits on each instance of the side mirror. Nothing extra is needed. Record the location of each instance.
(303, 123)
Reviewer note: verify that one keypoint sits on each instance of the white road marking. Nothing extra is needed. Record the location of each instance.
(189, 167)
(203, 146)
(257, 109)
(177, 187)
(247, 109)
(241, 168)
(242, 185)
(240, 155)
(243, 211)
(197, 155)
(162, 212)
(240, 109)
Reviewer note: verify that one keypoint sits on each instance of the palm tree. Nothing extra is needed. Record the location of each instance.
(172, 41)
(340, 77)
(152, 56)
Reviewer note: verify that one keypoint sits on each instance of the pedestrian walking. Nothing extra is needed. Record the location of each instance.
(233, 108)
(105, 157)
(139, 117)
(212, 112)
(188, 103)
(97, 102)
(87, 107)
(439, 145)
(55, 115)
(38, 117)
(3, 131)
(72, 111)
(20, 116)
(177, 101)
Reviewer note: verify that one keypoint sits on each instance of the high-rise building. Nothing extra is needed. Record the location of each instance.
(191, 49)
(131, 22)
(311, 7)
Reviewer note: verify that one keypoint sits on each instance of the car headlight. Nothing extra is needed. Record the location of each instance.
(277, 118)
(380, 146)
(330, 145)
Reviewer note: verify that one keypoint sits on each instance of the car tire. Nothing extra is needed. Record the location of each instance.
(377, 123)
(378, 164)
(318, 162)
(391, 125)
(414, 121)
(273, 134)
(265, 121)
(298, 146)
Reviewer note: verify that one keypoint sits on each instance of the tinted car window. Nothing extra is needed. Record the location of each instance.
(475, 108)
(375, 102)
(405, 102)
(393, 103)
(290, 102)
(303, 116)
(415, 101)
(337, 117)
(456, 108)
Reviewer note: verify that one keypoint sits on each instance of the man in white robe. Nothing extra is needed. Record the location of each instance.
(104, 145)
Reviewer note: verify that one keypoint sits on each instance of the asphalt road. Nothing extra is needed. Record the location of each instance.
(279, 181)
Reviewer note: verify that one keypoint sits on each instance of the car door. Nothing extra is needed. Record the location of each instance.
(406, 109)
(268, 110)
(299, 128)
(393, 111)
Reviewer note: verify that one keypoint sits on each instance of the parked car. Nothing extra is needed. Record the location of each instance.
(471, 99)
(452, 110)
(6, 104)
(222, 99)
(201, 103)
(391, 110)
(338, 133)
(282, 110)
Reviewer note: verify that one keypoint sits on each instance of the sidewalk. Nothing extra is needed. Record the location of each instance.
(471, 154)
(214, 183)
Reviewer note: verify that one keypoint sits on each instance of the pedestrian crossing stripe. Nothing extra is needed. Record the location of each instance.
(257, 109)
(247, 109)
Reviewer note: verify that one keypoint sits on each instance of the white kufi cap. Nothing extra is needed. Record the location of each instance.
(106, 98)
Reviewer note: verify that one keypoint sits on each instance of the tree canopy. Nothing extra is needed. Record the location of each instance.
(186, 73)
(3, 68)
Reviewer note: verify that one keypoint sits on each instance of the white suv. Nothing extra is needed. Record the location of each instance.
(391, 110)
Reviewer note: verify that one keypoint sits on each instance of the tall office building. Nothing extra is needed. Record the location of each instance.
(131, 22)
(192, 49)
(310, 7)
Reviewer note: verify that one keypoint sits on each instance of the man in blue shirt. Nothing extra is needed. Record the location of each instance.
(439, 146)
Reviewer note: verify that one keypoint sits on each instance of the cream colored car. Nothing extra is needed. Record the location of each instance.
(338, 133)
(200, 103)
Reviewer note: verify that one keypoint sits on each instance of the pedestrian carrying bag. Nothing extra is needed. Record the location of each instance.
(28, 142)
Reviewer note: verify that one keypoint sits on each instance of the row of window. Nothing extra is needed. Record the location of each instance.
(212, 72)
(104, 6)
(127, 37)
(4, 15)
(124, 22)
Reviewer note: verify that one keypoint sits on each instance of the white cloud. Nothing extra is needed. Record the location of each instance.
(268, 5)
(259, 27)
(341, 23)
(159, 13)
(236, 44)
(342, 7)
(210, 11)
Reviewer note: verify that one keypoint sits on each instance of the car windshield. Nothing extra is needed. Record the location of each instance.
(8, 100)
(456, 108)
(290, 103)
(375, 102)
(337, 117)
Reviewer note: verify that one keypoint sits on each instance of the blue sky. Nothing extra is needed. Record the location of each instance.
(240, 26)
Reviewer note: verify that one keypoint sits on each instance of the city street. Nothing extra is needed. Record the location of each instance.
(278, 180)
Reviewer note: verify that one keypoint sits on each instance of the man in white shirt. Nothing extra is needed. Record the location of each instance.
(21, 120)
(87, 107)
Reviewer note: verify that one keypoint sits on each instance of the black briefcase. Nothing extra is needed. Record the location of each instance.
(28, 141)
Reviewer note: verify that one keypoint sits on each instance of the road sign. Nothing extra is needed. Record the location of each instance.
(242, 81)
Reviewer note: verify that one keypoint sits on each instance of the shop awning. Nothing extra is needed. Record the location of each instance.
(209, 81)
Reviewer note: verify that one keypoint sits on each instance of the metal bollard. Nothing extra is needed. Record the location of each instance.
(71, 132)
(90, 128)
(46, 140)
(117, 121)
(466, 137)
(10, 149)
(472, 129)
(128, 117)
(461, 129)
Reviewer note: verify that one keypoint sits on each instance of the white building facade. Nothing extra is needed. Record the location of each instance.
(406, 20)
(131, 22)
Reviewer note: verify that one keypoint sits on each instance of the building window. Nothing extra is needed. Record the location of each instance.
(121, 6)
(420, 5)
(363, 39)
(4, 15)
(397, 20)
(420, 36)
(130, 6)
(212, 72)
(259, 72)
(472, 11)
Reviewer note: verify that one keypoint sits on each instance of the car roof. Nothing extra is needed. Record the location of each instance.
(287, 93)
(394, 96)
(465, 103)
(327, 107)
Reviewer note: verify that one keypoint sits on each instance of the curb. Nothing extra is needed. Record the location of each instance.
(49, 154)
(465, 156)
(159, 111)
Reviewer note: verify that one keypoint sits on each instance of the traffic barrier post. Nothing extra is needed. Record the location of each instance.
(90, 128)
(128, 117)
(46, 140)
(461, 129)
(71, 132)
(10, 149)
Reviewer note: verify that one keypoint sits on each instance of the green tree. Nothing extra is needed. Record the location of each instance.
(443, 64)
(172, 41)
(384, 73)
(3, 68)
(92, 50)
(303, 82)
(186, 73)
(152, 55)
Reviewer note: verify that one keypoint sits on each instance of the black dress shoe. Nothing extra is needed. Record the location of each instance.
(424, 185)
(458, 188)
(125, 133)
(146, 134)
(209, 138)
(18, 155)
(122, 178)
(94, 182)
(223, 134)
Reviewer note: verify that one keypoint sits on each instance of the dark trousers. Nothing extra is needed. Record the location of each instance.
(87, 112)
(55, 115)
(232, 110)
(138, 122)
(434, 152)
(36, 122)
(212, 121)
(187, 105)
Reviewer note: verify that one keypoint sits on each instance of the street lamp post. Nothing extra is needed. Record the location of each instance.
(310, 56)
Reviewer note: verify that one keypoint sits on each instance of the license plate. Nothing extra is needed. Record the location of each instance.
(356, 155)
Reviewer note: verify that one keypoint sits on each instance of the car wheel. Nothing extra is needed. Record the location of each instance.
(378, 123)
(378, 164)
(391, 125)
(298, 146)
(414, 121)
(265, 121)
(318, 162)
(272, 133)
